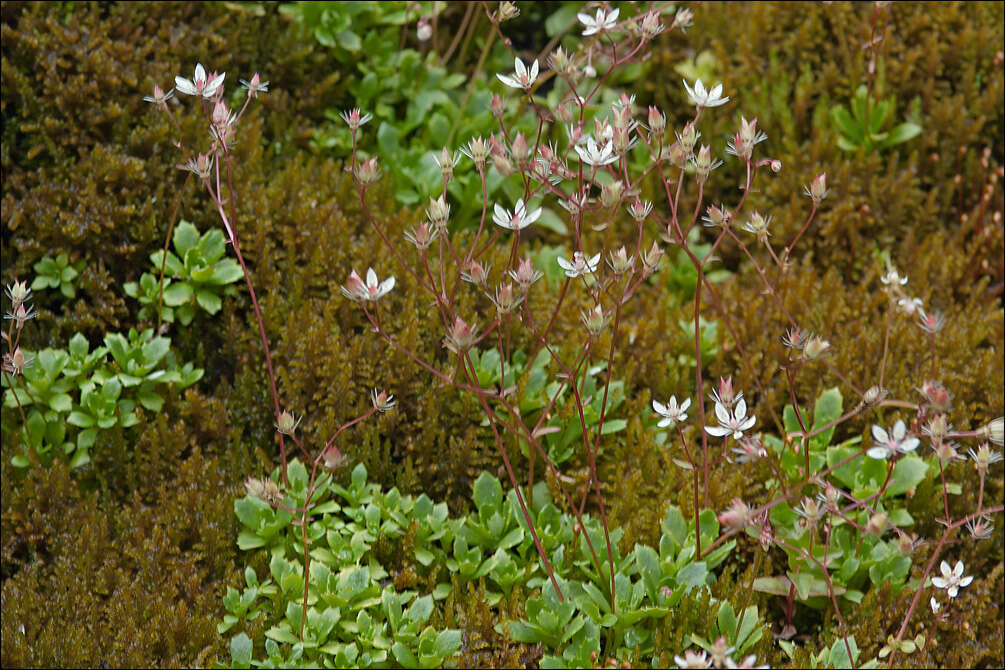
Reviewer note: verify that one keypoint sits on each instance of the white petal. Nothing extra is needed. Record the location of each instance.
(741, 409)
(664, 422)
(564, 264)
(746, 425)
(386, 285)
(939, 582)
(534, 70)
(966, 581)
(371, 277)
(879, 453)
(509, 81)
(717, 431)
(520, 68)
(532, 217)
(660, 408)
(613, 16)
(684, 405)
(699, 89)
(722, 413)
(184, 86)
(899, 430)
(945, 569)
(910, 444)
(715, 92)
(879, 434)
(501, 216)
(200, 72)
(958, 569)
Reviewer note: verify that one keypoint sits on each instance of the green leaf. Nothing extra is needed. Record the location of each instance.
(827, 409)
(907, 474)
(177, 294)
(447, 642)
(241, 649)
(208, 300)
(185, 237)
(901, 134)
(80, 419)
(61, 402)
(487, 493)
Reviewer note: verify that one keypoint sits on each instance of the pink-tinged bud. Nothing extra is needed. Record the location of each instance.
(725, 394)
(221, 114)
(525, 274)
(594, 321)
(677, 156)
(688, 138)
(478, 151)
(564, 114)
(503, 165)
(877, 524)
(651, 260)
(540, 170)
(874, 395)
(620, 262)
(657, 122)
(16, 362)
(817, 189)
(266, 490)
(737, 517)
(651, 25)
(937, 396)
(703, 163)
(382, 401)
(720, 652)
(368, 172)
(424, 30)
(333, 457)
(498, 108)
(610, 194)
(520, 151)
(682, 19)
(354, 120)
(716, 217)
(622, 140)
(640, 210)
(905, 544)
(931, 323)
(831, 498)
(461, 337)
(287, 424)
(776, 166)
(815, 348)
(505, 301)
(748, 131)
(201, 166)
(945, 452)
(602, 130)
(766, 538)
(476, 274)
(422, 235)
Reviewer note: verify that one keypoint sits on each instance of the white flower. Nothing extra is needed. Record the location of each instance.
(518, 220)
(935, 604)
(952, 579)
(373, 289)
(580, 264)
(734, 422)
(599, 24)
(890, 443)
(909, 305)
(522, 78)
(198, 85)
(693, 660)
(702, 98)
(671, 412)
(893, 277)
(594, 155)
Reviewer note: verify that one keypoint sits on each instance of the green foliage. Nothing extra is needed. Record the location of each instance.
(355, 616)
(71, 395)
(57, 273)
(197, 273)
(864, 126)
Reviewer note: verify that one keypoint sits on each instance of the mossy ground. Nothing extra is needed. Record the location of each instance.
(124, 561)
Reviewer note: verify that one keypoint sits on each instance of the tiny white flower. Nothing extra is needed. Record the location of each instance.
(600, 23)
(734, 422)
(693, 660)
(199, 85)
(935, 604)
(594, 155)
(521, 78)
(952, 579)
(518, 219)
(888, 444)
(671, 412)
(893, 277)
(373, 289)
(580, 264)
(703, 98)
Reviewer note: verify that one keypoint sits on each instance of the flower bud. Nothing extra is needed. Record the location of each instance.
(333, 457)
(776, 166)
(507, 11)
(287, 424)
(651, 25)
(460, 337)
(620, 262)
(657, 122)
(438, 212)
(936, 396)
(640, 210)
(677, 156)
(688, 138)
(559, 61)
(563, 113)
(476, 274)
(498, 108)
(818, 189)
(521, 152)
(905, 544)
(610, 194)
(737, 517)
(877, 524)
(382, 402)
(505, 301)
(815, 348)
(525, 274)
(874, 395)
(368, 172)
(424, 30)
(594, 321)
(478, 151)
(422, 235)
(651, 260)
(446, 163)
(993, 431)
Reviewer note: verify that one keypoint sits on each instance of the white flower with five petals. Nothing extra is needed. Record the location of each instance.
(518, 219)
(373, 289)
(671, 412)
(952, 579)
(602, 22)
(521, 78)
(703, 98)
(594, 155)
(734, 422)
(888, 444)
(580, 264)
(199, 85)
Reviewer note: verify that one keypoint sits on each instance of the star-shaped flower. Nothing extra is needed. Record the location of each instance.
(594, 155)
(671, 412)
(952, 579)
(602, 22)
(518, 219)
(702, 98)
(199, 84)
(890, 443)
(521, 78)
(734, 422)
(580, 264)
(373, 289)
